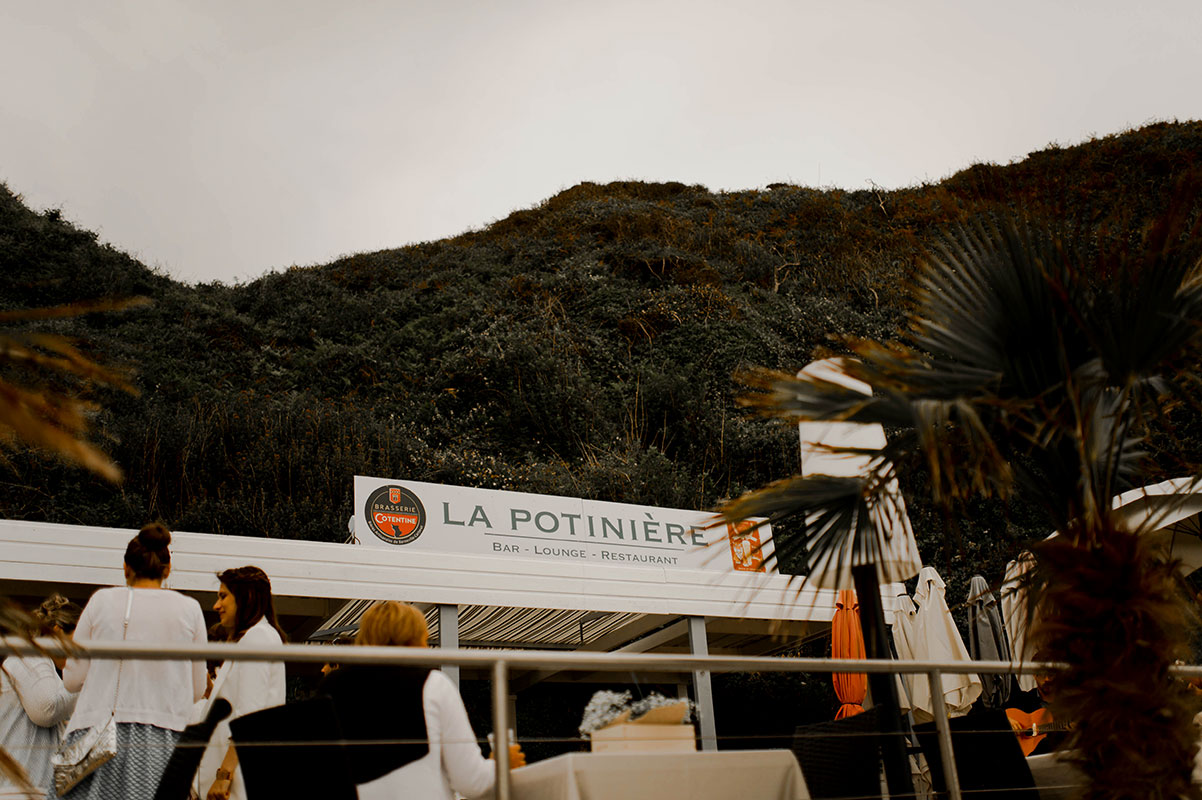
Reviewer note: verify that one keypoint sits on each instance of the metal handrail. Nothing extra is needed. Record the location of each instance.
(533, 659)
(501, 662)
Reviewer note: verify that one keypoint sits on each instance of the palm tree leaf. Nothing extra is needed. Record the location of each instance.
(813, 399)
(69, 361)
(850, 521)
(73, 309)
(31, 418)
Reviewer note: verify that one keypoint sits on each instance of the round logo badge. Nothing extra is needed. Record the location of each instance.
(395, 515)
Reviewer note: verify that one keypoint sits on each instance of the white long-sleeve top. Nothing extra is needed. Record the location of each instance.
(159, 693)
(249, 686)
(454, 763)
(43, 697)
(33, 705)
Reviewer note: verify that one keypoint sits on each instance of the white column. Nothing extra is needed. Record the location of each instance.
(448, 637)
(699, 645)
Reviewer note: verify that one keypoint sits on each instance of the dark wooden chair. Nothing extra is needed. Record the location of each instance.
(293, 750)
(989, 761)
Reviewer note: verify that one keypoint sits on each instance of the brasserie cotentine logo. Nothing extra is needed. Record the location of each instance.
(395, 515)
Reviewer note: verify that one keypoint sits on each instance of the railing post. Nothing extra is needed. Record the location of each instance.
(500, 727)
(950, 776)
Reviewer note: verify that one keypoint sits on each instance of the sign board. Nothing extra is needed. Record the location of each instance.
(437, 518)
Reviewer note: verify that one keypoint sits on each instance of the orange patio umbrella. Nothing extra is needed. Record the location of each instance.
(847, 641)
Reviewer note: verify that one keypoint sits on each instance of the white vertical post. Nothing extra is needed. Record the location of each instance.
(950, 775)
(448, 637)
(699, 645)
(500, 727)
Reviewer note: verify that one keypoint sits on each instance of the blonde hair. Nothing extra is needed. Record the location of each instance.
(56, 611)
(393, 623)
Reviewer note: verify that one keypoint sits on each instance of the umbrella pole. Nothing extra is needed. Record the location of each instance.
(884, 688)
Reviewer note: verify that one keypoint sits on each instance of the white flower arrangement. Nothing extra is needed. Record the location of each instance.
(607, 708)
(602, 710)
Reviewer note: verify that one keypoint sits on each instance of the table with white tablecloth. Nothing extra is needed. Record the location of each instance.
(745, 774)
(1056, 778)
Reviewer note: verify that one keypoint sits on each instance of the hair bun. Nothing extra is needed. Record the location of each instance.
(154, 537)
(53, 603)
(56, 610)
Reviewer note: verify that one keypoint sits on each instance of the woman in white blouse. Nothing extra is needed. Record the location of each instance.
(151, 701)
(247, 613)
(34, 704)
(423, 744)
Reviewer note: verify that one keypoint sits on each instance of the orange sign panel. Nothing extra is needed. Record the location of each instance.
(745, 549)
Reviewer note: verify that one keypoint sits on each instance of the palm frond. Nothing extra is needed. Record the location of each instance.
(805, 397)
(961, 452)
(73, 309)
(850, 521)
(989, 303)
(1147, 315)
(33, 410)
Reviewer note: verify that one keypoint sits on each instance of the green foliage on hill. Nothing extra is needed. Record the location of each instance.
(583, 347)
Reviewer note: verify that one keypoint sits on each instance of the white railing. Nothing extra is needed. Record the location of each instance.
(500, 662)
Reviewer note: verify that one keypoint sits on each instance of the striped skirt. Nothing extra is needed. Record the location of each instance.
(133, 774)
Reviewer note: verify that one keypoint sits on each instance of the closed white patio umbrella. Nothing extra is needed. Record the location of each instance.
(936, 638)
(1013, 598)
(901, 627)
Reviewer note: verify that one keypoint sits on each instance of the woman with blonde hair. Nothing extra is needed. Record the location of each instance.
(33, 701)
(432, 750)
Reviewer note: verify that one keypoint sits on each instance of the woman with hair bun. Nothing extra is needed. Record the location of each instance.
(246, 612)
(151, 701)
(33, 701)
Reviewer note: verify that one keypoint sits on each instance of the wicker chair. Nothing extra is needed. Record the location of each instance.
(841, 760)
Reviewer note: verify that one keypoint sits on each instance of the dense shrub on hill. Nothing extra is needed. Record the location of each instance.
(582, 347)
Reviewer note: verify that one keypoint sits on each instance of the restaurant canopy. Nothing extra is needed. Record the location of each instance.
(321, 586)
(487, 599)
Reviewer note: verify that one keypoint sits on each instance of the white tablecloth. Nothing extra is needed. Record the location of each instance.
(1055, 779)
(743, 774)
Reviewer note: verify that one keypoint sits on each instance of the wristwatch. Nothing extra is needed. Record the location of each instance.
(224, 775)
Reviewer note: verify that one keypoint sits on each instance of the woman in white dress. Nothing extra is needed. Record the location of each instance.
(151, 701)
(247, 613)
(34, 704)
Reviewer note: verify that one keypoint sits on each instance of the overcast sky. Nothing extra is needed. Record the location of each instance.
(219, 139)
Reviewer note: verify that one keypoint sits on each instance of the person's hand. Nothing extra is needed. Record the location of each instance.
(220, 790)
(516, 757)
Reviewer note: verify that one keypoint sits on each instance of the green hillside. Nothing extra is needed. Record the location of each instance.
(583, 347)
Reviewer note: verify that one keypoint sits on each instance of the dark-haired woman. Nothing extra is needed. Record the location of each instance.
(34, 704)
(151, 701)
(246, 611)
